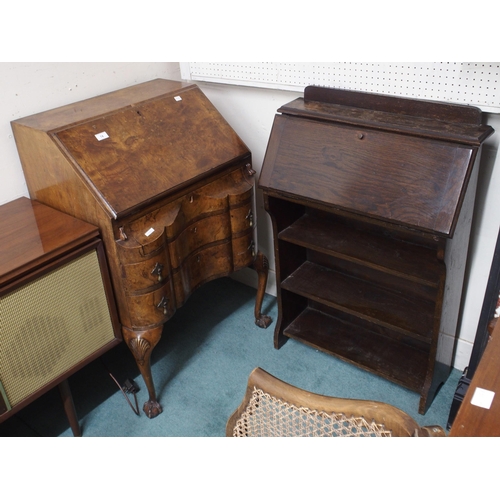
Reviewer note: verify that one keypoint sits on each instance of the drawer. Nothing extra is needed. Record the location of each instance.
(242, 218)
(240, 190)
(198, 268)
(203, 232)
(243, 249)
(201, 203)
(152, 308)
(147, 273)
(141, 244)
(215, 197)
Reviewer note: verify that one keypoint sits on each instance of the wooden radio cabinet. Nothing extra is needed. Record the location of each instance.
(169, 184)
(371, 201)
(57, 310)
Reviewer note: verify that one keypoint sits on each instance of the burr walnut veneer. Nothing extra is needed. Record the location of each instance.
(371, 201)
(171, 187)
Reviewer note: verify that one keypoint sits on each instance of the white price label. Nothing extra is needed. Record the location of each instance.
(101, 135)
(178, 98)
(150, 231)
(482, 398)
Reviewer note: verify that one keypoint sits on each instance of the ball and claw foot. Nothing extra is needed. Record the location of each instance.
(263, 321)
(152, 409)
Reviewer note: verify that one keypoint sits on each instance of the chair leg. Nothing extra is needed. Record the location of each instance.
(69, 407)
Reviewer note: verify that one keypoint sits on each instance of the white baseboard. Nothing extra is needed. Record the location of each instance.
(249, 277)
(462, 355)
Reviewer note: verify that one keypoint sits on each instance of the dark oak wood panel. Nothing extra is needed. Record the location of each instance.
(360, 346)
(406, 313)
(371, 199)
(170, 185)
(396, 256)
(349, 168)
(439, 120)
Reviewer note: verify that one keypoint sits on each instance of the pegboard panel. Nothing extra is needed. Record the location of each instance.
(469, 83)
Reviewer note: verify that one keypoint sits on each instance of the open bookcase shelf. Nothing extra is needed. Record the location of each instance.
(407, 314)
(371, 199)
(408, 260)
(401, 363)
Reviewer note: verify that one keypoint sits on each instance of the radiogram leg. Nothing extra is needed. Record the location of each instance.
(69, 407)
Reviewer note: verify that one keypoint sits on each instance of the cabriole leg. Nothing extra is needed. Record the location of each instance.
(261, 265)
(141, 344)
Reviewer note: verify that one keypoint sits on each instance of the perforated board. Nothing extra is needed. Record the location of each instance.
(472, 83)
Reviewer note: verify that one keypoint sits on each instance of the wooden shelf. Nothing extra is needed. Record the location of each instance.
(410, 315)
(392, 359)
(397, 257)
(371, 223)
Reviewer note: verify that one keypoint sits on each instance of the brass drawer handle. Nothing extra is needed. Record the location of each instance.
(249, 168)
(252, 248)
(163, 303)
(249, 217)
(158, 270)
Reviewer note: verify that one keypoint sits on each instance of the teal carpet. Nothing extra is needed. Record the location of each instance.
(200, 368)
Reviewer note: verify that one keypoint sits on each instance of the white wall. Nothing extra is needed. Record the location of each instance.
(486, 224)
(28, 88)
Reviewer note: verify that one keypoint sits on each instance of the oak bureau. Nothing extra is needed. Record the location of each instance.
(371, 201)
(171, 187)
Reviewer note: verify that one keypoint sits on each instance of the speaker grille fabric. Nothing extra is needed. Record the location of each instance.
(51, 324)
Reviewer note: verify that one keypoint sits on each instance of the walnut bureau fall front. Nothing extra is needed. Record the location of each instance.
(169, 184)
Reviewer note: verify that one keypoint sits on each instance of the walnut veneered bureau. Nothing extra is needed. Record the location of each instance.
(371, 201)
(170, 185)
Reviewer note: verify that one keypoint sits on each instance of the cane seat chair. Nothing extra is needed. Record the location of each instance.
(273, 408)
